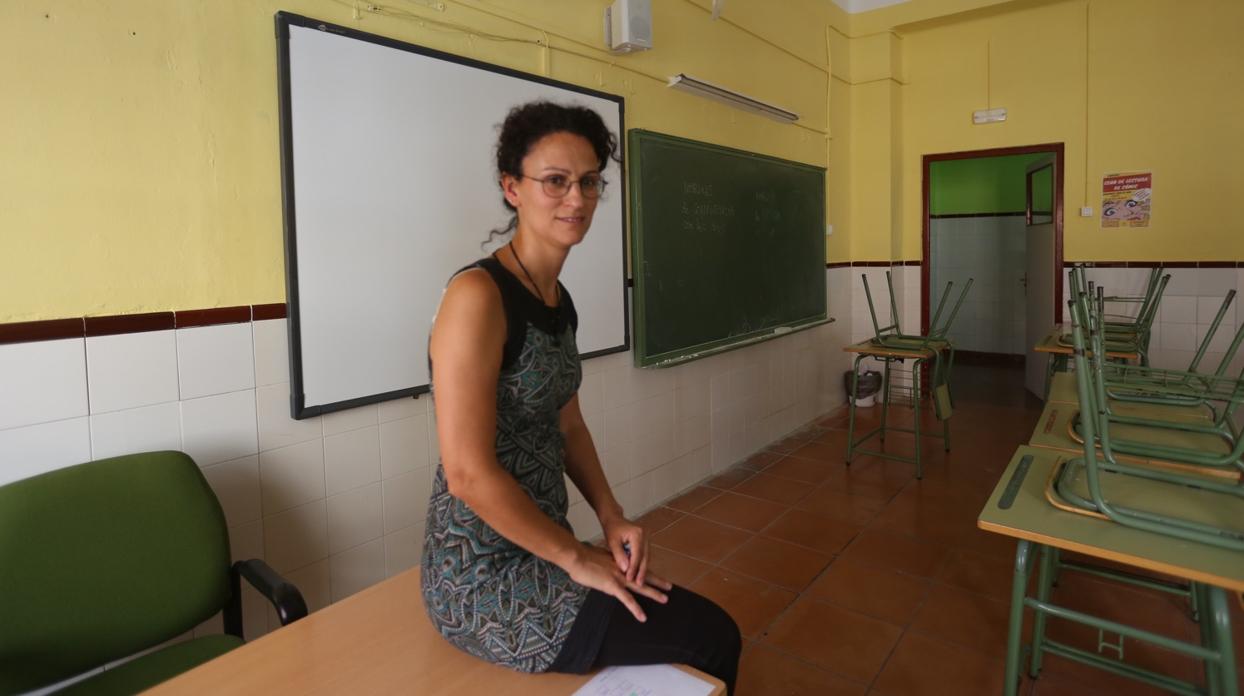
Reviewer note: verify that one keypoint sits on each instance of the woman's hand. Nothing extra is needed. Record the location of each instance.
(594, 567)
(628, 543)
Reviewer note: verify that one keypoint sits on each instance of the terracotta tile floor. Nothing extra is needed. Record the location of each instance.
(863, 580)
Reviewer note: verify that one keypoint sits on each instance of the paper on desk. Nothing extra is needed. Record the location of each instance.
(645, 680)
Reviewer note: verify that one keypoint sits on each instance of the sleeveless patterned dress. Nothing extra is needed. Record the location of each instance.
(485, 594)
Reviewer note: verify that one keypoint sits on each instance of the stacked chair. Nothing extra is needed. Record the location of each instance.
(1145, 465)
(1183, 490)
(889, 345)
(1124, 333)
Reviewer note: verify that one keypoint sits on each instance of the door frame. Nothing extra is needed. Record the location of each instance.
(1057, 150)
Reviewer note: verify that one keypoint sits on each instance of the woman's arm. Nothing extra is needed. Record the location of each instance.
(627, 541)
(468, 336)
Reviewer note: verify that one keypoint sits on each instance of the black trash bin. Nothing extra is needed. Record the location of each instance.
(868, 385)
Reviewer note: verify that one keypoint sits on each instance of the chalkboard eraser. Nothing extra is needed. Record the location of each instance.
(782, 330)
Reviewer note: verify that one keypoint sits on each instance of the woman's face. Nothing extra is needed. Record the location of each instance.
(558, 157)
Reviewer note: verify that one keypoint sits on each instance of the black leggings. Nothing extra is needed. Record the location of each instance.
(689, 629)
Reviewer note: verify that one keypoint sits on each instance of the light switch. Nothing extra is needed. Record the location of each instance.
(1086, 211)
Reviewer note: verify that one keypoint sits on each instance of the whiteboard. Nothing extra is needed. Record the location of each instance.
(389, 185)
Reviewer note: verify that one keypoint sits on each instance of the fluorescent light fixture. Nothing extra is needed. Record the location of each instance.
(699, 87)
(988, 116)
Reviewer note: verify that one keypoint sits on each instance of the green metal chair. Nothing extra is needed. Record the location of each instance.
(1187, 507)
(936, 342)
(1120, 323)
(1129, 335)
(1186, 388)
(1180, 503)
(106, 559)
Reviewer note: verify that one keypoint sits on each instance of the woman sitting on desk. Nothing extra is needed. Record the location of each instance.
(503, 576)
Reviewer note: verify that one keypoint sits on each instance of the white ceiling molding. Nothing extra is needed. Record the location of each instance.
(856, 6)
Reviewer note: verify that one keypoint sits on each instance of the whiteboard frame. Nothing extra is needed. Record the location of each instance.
(295, 299)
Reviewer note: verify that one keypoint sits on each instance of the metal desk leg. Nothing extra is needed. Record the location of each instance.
(915, 398)
(885, 399)
(855, 386)
(1200, 607)
(1219, 618)
(1019, 588)
(1045, 580)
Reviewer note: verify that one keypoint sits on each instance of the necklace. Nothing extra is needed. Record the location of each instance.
(556, 310)
(529, 278)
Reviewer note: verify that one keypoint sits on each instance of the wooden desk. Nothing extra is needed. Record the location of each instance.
(378, 641)
(1039, 527)
(888, 354)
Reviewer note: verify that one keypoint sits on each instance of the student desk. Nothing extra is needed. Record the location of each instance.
(378, 641)
(1054, 430)
(1058, 354)
(918, 356)
(1018, 508)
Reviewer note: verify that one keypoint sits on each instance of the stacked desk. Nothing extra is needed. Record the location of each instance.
(1019, 508)
(918, 356)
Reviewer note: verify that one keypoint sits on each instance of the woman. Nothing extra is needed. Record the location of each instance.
(503, 576)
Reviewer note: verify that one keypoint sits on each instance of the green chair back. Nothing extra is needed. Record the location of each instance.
(105, 559)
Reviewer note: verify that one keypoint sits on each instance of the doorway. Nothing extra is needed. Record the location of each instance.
(996, 216)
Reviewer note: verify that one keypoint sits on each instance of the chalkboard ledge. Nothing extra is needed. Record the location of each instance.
(710, 350)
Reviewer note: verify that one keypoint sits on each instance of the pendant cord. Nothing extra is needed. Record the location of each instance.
(529, 278)
(557, 311)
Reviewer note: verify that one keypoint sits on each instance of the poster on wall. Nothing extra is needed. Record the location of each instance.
(1126, 199)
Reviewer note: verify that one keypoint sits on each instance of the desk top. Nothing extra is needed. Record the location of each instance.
(1051, 344)
(378, 641)
(1032, 517)
(869, 348)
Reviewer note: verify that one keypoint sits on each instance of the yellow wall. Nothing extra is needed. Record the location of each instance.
(1149, 85)
(140, 138)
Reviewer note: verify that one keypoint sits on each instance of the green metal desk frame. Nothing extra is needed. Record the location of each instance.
(1018, 508)
(868, 349)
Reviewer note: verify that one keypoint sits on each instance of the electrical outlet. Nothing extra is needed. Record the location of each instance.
(1086, 211)
(829, 230)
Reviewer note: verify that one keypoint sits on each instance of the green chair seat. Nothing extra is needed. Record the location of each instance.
(103, 560)
(145, 672)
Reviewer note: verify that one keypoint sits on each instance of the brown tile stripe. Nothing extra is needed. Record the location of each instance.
(55, 329)
(260, 312)
(1013, 213)
(1155, 264)
(129, 323)
(209, 317)
(872, 264)
(48, 330)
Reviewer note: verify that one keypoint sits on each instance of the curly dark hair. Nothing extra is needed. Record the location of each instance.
(528, 123)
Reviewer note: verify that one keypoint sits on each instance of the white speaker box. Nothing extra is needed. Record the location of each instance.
(628, 26)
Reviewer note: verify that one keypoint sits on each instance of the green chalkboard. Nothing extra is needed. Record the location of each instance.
(728, 247)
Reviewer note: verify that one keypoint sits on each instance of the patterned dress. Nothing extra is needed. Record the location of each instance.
(486, 595)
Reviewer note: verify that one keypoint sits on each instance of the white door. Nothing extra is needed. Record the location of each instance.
(1039, 277)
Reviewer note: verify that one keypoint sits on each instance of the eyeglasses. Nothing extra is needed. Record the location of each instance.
(558, 185)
